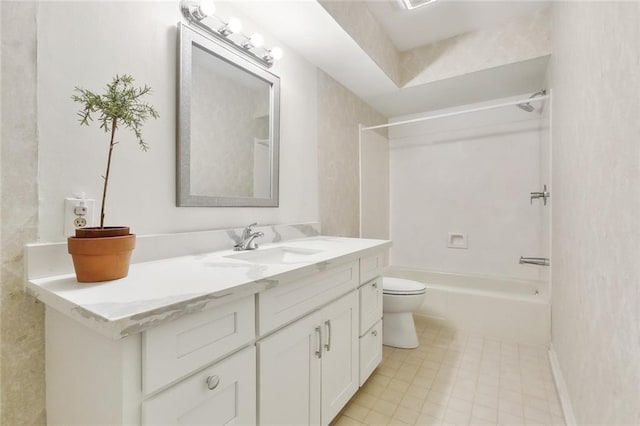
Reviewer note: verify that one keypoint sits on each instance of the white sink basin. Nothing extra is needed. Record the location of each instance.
(283, 255)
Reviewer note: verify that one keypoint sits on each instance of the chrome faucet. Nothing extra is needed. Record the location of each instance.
(247, 241)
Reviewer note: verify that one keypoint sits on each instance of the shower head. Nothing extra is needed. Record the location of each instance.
(527, 106)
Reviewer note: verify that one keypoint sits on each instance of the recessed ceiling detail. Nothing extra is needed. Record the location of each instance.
(492, 62)
(414, 4)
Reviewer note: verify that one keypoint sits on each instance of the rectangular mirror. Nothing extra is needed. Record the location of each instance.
(228, 127)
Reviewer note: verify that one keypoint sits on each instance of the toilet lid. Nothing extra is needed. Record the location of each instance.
(401, 286)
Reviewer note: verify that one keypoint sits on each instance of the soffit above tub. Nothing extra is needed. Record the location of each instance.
(313, 32)
(493, 83)
(442, 19)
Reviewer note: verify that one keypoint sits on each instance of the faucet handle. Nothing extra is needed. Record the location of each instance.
(247, 231)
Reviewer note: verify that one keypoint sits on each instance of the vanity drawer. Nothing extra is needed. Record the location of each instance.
(285, 302)
(222, 394)
(371, 267)
(191, 342)
(370, 351)
(370, 304)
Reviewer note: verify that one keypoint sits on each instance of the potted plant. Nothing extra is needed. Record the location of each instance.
(103, 253)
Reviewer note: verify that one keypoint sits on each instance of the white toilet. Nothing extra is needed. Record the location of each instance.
(400, 297)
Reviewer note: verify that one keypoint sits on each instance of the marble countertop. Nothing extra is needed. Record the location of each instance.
(160, 291)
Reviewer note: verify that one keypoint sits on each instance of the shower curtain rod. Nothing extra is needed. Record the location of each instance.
(450, 114)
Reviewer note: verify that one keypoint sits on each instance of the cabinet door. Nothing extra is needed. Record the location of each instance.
(340, 372)
(223, 394)
(289, 374)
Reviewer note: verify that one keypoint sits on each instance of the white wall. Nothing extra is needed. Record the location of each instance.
(596, 212)
(469, 174)
(86, 44)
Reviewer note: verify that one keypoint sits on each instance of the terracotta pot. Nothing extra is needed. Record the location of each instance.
(101, 258)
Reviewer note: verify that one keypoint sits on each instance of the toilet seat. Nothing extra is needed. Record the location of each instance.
(402, 287)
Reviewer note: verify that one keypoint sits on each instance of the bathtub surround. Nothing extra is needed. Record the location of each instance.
(339, 114)
(483, 163)
(21, 317)
(596, 206)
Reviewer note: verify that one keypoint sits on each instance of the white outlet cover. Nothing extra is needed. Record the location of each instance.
(69, 216)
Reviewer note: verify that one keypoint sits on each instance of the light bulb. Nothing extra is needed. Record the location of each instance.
(276, 53)
(256, 40)
(234, 25)
(207, 7)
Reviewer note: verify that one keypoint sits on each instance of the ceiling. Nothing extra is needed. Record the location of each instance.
(306, 27)
(445, 18)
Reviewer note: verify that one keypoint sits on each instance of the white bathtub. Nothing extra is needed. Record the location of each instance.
(508, 309)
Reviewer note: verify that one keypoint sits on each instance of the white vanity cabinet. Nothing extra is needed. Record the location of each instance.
(198, 369)
(308, 371)
(289, 346)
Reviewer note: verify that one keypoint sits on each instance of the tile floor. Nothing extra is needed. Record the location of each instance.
(457, 378)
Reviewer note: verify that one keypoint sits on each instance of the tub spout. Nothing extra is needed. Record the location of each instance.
(540, 261)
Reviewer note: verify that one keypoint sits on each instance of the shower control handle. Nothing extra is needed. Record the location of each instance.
(544, 195)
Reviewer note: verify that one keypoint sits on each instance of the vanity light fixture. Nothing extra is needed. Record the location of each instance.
(196, 11)
(254, 41)
(233, 26)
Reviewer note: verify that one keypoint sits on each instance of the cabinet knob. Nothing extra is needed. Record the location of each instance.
(213, 382)
(374, 333)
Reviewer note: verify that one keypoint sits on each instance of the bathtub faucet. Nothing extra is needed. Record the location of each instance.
(247, 241)
(541, 261)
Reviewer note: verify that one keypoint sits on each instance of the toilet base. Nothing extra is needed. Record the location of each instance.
(399, 330)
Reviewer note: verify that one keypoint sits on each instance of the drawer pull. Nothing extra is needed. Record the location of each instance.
(327, 345)
(374, 333)
(213, 382)
(319, 333)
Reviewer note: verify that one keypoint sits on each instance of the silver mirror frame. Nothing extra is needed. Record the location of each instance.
(187, 39)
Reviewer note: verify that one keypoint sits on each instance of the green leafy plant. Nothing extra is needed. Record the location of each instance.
(120, 105)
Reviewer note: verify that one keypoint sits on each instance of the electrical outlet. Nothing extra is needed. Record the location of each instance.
(80, 222)
(78, 216)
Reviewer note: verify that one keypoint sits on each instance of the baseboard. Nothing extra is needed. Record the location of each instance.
(561, 387)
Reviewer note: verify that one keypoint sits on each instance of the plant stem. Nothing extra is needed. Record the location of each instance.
(106, 175)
